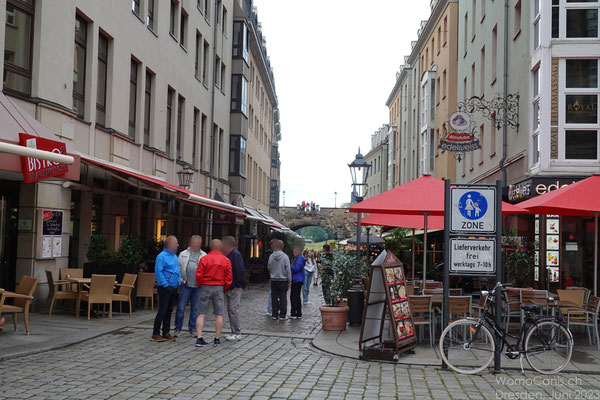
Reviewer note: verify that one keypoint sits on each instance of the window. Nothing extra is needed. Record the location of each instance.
(205, 53)
(79, 66)
(147, 107)
(195, 130)
(224, 20)
(473, 80)
(444, 84)
(466, 32)
(237, 155)
(183, 29)
(150, 16)
(493, 133)
(481, 142)
(170, 94)
(135, 7)
(482, 72)
(223, 77)
(582, 73)
(173, 18)
(517, 14)
(581, 109)
(239, 94)
(555, 18)
(197, 59)
(203, 129)
(445, 30)
(473, 19)
(218, 71)
(18, 46)
(240, 40)
(431, 149)
(207, 10)
(424, 105)
(483, 10)
(101, 80)
(180, 111)
(536, 118)
(218, 13)
(432, 99)
(494, 53)
(582, 23)
(439, 39)
(133, 77)
(424, 162)
(220, 154)
(581, 145)
(537, 27)
(536, 149)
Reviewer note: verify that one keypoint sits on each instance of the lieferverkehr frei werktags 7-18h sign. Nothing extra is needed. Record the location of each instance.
(473, 210)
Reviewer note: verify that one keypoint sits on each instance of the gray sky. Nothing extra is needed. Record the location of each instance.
(334, 63)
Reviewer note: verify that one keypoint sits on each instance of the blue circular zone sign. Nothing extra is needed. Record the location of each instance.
(472, 205)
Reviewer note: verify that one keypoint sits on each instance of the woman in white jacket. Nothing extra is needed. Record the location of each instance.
(309, 270)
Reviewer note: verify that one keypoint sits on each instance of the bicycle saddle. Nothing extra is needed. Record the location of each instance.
(530, 308)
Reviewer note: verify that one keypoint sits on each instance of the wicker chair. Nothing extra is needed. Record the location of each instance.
(71, 273)
(587, 317)
(145, 287)
(22, 300)
(125, 288)
(56, 292)
(100, 292)
(422, 313)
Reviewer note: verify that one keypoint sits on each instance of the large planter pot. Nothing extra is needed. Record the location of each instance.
(334, 318)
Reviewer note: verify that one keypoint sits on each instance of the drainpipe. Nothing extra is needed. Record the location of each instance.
(212, 103)
(505, 111)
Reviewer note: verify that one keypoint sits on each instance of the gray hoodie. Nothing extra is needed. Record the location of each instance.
(279, 267)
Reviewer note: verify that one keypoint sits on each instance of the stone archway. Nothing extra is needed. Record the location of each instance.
(336, 220)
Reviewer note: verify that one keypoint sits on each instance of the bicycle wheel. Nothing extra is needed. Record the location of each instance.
(467, 347)
(548, 347)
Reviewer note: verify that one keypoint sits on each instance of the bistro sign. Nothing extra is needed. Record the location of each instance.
(35, 169)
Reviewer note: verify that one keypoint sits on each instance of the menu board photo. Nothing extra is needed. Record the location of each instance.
(401, 311)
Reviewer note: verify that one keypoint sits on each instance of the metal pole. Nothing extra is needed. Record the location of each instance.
(424, 250)
(499, 268)
(413, 256)
(595, 253)
(368, 246)
(446, 281)
(505, 105)
(355, 294)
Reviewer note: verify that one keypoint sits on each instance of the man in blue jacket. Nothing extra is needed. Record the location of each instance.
(297, 282)
(234, 294)
(168, 278)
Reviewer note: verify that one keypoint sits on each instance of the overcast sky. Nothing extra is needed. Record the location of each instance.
(335, 63)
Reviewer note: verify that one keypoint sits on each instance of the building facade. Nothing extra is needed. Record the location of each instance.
(481, 56)
(137, 120)
(377, 181)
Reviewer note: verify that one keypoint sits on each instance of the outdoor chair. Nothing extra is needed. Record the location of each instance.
(410, 289)
(422, 313)
(587, 317)
(145, 288)
(125, 288)
(56, 290)
(574, 296)
(530, 296)
(511, 307)
(458, 307)
(71, 273)
(478, 308)
(22, 300)
(587, 291)
(455, 292)
(100, 292)
(433, 285)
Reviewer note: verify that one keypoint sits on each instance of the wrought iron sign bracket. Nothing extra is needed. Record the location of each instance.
(494, 109)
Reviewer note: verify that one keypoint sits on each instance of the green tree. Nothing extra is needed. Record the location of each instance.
(316, 233)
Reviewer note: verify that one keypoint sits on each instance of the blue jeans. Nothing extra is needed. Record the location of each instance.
(308, 276)
(269, 304)
(191, 295)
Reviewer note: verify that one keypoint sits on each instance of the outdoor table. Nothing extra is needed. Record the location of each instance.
(80, 282)
(553, 304)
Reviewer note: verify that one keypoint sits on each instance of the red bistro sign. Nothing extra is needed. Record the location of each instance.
(35, 169)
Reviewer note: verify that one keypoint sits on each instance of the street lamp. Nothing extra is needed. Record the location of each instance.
(185, 177)
(284, 198)
(359, 170)
(334, 199)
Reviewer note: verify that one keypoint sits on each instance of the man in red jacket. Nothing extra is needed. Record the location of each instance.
(213, 277)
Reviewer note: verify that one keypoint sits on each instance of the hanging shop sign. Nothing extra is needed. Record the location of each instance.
(458, 134)
(35, 169)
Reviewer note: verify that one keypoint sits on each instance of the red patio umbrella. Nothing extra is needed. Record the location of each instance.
(578, 199)
(424, 197)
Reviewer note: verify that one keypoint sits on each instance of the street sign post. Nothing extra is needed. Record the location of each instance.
(472, 239)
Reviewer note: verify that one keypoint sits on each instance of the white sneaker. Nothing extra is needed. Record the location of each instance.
(233, 337)
(177, 332)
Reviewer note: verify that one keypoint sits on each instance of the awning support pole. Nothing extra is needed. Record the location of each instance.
(413, 256)
(595, 253)
(425, 250)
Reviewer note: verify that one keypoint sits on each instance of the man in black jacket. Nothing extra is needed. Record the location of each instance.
(234, 294)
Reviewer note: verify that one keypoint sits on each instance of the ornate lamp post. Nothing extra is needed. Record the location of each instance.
(334, 199)
(185, 177)
(359, 170)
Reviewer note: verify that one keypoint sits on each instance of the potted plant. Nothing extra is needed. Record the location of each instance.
(337, 274)
(518, 256)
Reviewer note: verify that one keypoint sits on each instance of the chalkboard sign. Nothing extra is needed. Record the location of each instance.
(386, 301)
(52, 223)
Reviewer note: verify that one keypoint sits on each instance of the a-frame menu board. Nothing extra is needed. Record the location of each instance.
(386, 300)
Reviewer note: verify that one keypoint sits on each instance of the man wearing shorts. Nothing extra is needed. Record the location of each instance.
(213, 277)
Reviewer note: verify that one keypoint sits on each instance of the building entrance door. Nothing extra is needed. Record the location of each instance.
(9, 201)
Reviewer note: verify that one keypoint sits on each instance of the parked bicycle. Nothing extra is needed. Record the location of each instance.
(468, 346)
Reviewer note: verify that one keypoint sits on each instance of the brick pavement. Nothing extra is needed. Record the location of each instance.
(127, 365)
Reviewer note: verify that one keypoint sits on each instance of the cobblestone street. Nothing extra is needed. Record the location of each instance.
(126, 364)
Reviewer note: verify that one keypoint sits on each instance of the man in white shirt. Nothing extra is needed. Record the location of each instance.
(188, 262)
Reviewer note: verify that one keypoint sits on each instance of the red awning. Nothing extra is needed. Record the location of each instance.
(577, 199)
(403, 221)
(419, 196)
(168, 187)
